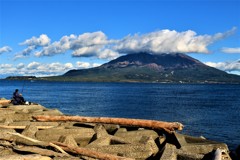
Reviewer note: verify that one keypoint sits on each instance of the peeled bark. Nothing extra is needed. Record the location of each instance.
(167, 126)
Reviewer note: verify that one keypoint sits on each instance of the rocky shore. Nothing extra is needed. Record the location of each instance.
(24, 135)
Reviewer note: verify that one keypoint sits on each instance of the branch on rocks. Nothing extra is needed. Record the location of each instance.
(167, 126)
(39, 143)
(23, 127)
(90, 153)
(38, 150)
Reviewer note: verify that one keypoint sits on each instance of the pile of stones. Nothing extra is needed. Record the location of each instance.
(24, 138)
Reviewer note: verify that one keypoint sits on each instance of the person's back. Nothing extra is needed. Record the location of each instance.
(18, 98)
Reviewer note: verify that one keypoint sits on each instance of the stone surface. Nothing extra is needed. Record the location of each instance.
(81, 135)
(30, 108)
(30, 131)
(141, 151)
(68, 140)
(127, 141)
(198, 145)
(135, 136)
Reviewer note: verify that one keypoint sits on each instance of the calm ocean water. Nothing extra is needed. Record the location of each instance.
(212, 111)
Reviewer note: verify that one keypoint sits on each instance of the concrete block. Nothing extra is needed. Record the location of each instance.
(120, 130)
(111, 128)
(81, 135)
(100, 131)
(150, 141)
(30, 108)
(8, 120)
(198, 145)
(119, 140)
(102, 141)
(17, 117)
(169, 152)
(69, 140)
(25, 123)
(30, 131)
(138, 151)
(135, 136)
(53, 112)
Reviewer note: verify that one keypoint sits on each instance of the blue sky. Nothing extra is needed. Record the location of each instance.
(50, 37)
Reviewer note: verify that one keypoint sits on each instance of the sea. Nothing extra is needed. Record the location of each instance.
(208, 110)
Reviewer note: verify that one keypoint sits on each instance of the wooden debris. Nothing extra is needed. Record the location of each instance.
(4, 102)
(90, 153)
(37, 150)
(23, 127)
(39, 143)
(91, 138)
(167, 126)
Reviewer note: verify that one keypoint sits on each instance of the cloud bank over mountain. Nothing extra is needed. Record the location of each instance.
(97, 44)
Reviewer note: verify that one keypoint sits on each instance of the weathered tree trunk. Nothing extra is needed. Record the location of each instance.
(34, 141)
(38, 150)
(4, 102)
(168, 126)
(23, 127)
(90, 153)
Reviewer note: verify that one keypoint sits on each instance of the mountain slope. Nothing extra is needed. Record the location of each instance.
(144, 67)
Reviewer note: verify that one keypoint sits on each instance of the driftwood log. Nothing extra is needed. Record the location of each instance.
(90, 153)
(4, 102)
(23, 127)
(36, 142)
(62, 148)
(167, 126)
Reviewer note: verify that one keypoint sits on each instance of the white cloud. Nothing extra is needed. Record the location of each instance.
(97, 44)
(84, 45)
(42, 40)
(57, 47)
(89, 39)
(83, 64)
(167, 41)
(33, 65)
(226, 66)
(20, 66)
(5, 49)
(7, 69)
(42, 69)
(108, 54)
(96, 64)
(230, 50)
(32, 44)
(88, 51)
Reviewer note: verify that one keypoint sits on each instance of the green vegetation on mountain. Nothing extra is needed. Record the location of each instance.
(144, 67)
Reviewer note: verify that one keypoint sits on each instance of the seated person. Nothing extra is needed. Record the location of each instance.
(18, 98)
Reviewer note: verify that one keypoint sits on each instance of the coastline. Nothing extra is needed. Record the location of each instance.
(123, 141)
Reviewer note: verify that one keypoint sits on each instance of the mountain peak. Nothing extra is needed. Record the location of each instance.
(163, 61)
(145, 67)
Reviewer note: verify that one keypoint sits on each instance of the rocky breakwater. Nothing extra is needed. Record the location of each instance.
(33, 132)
